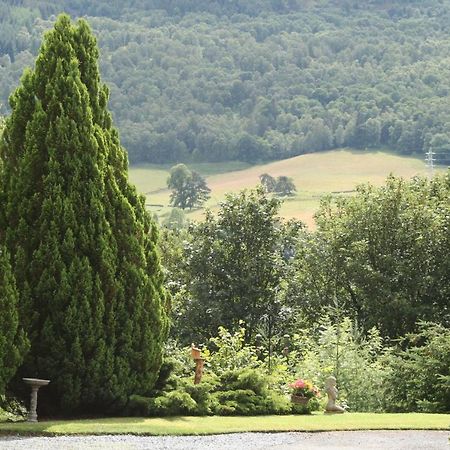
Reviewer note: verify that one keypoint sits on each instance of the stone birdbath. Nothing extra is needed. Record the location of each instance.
(35, 384)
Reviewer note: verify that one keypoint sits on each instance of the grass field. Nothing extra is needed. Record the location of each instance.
(336, 172)
(217, 425)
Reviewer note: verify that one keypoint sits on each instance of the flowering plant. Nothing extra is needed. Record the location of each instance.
(304, 388)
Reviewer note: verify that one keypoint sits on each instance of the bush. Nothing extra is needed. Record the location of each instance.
(237, 392)
(174, 403)
(353, 358)
(246, 392)
(418, 376)
(11, 409)
(231, 352)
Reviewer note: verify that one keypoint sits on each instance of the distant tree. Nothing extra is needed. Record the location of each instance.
(284, 186)
(178, 182)
(198, 190)
(268, 182)
(175, 220)
(83, 248)
(189, 189)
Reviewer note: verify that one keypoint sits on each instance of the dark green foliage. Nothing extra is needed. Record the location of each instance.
(11, 409)
(268, 182)
(419, 376)
(312, 75)
(233, 267)
(189, 189)
(82, 245)
(284, 186)
(381, 256)
(13, 343)
(139, 406)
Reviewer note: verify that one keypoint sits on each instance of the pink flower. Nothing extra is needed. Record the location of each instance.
(304, 388)
(298, 384)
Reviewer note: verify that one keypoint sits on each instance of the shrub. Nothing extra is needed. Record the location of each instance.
(237, 392)
(246, 392)
(11, 410)
(231, 352)
(353, 358)
(418, 376)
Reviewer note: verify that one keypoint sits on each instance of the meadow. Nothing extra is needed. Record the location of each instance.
(315, 175)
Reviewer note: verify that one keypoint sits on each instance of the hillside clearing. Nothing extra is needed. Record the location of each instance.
(315, 175)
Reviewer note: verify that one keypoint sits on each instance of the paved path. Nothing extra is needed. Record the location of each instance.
(348, 440)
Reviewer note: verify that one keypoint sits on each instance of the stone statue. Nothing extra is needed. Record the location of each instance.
(332, 392)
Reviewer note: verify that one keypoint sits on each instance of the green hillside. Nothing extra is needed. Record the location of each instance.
(255, 81)
(336, 172)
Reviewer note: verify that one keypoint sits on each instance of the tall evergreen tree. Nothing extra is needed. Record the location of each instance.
(13, 343)
(82, 245)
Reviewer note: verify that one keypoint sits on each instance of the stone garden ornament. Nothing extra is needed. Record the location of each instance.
(35, 384)
(332, 392)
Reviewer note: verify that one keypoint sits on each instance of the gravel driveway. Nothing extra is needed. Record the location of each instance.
(398, 440)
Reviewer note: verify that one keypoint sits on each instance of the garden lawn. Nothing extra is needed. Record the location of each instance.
(218, 425)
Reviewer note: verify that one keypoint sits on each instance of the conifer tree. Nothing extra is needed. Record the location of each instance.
(83, 247)
(13, 343)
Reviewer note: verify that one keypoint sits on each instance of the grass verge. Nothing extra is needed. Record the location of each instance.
(219, 425)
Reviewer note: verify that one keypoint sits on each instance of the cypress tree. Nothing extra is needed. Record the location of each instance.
(83, 247)
(13, 343)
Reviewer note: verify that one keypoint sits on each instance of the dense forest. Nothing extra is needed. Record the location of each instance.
(267, 79)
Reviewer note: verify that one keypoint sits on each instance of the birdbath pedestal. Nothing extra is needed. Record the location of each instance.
(35, 384)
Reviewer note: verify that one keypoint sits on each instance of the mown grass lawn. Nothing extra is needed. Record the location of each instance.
(218, 425)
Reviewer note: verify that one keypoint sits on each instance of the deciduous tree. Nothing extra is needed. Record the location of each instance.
(189, 189)
(235, 266)
(382, 255)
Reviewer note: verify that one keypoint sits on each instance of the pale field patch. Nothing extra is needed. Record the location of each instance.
(335, 172)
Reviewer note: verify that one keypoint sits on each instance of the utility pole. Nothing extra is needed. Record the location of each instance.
(429, 159)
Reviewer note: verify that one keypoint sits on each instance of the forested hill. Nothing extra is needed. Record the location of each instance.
(257, 79)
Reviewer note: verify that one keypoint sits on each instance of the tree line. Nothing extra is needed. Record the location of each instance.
(380, 258)
(213, 81)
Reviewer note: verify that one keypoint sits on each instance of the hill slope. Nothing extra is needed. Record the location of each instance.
(216, 80)
(337, 172)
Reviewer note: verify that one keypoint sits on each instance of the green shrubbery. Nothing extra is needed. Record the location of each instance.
(237, 392)
(356, 361)
(417, 376)
(11, 409)
(413, 376)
